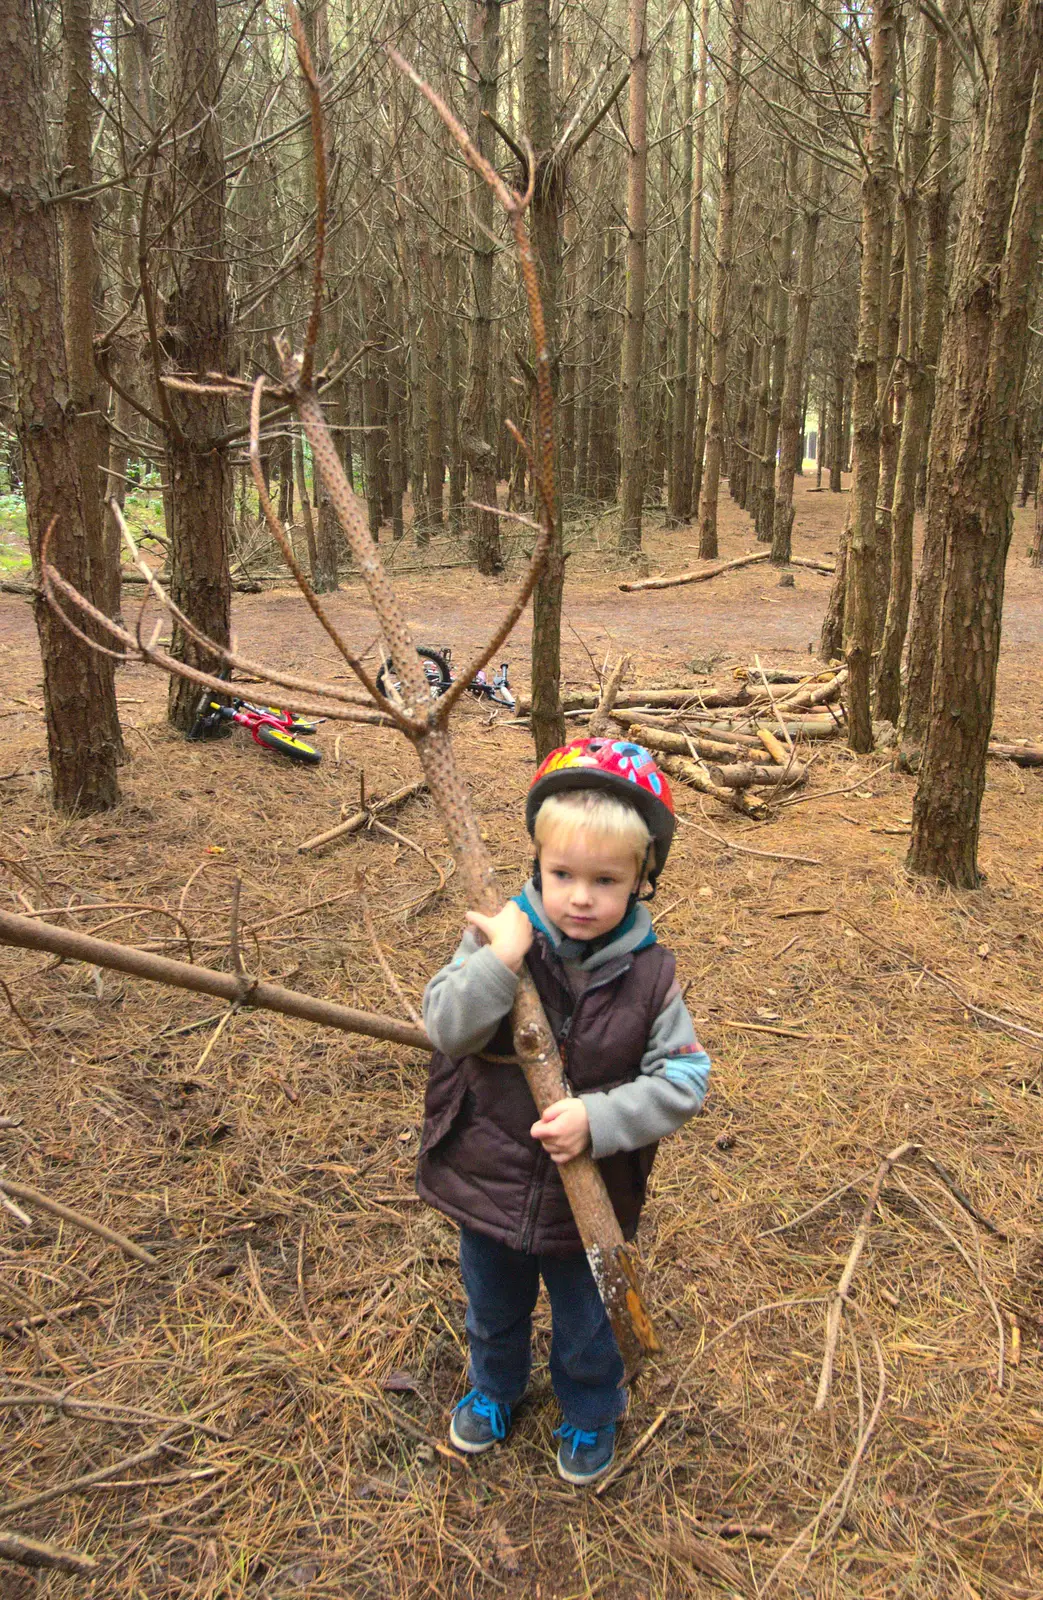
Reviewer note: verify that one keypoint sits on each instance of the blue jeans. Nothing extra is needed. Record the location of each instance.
(585, 1365)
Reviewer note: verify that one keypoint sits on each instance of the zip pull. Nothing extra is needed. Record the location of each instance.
(563, 1039)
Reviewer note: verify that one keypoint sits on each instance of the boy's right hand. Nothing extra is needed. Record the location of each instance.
(508, 934)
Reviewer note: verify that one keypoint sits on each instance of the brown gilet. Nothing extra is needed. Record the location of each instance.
(480, 1165)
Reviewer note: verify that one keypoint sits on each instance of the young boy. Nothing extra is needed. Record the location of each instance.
(602, 818)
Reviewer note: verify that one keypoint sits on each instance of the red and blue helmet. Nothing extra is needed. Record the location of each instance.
(621, 768)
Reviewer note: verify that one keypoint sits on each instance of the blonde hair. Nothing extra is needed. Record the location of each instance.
(573, 811)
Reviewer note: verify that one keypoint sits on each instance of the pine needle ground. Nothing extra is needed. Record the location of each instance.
(301, 1342)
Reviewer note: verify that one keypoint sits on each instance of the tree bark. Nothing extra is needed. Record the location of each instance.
(548, 721)
(1036, 552)
(781, 346)
(632, 484)
(692, 460)
(925, 308)
(722, 272)
(196, 341)
(677, 511)
(973, 460)
(796, 351)
(79, 697)
(477, 435)
(861, 550)
(916, 700)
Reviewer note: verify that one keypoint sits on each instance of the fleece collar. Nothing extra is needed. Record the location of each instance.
(634, 933)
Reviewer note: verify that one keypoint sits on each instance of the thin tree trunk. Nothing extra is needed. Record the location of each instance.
(722, 272)
(793, 382)
(79, 285)
(79, 696)
(632, 484)
(973, 464)
(836, 456)
(304, 496)
(396, 407)
(1036, 552)
(876, 201)
(677, 512)
(433, 278)
(924, 315)
(477, 435)
(916, 700)
(782, 341)
(892, 295)
(548, 720)
(693, 438)
(197, 343)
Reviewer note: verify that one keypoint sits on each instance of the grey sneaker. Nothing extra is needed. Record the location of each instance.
(585, 1454)
(478, 1423)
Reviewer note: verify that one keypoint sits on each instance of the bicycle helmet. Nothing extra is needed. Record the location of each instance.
(619, 767)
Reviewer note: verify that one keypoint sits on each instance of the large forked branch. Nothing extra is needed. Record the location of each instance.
(424, 722)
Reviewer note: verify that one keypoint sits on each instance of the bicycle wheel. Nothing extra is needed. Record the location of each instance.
(287, 745)
(436, 671)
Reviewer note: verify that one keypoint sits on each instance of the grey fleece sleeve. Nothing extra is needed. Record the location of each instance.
(463, 1004)
(670, 1088)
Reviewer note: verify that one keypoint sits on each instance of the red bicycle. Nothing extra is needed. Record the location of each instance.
(270, 726)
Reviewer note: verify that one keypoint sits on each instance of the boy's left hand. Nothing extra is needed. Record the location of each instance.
(563, 1130)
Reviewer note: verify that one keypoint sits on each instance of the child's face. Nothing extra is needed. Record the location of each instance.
(586, 883)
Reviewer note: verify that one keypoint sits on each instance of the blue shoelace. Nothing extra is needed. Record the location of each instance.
(577, 1438)
(498, 1416)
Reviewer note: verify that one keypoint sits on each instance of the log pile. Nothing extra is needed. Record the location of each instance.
(726, 740)
(730, 740)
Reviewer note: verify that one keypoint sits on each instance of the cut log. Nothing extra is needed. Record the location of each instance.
(697, 777)
(28, 933)
(680, 744)
(1023, 755)
(775, 748)
(821, 695)
(748, 776)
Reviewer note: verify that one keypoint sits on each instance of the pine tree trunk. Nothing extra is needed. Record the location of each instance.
(915, 357)
(973, 461)
(676, 510)
(197, 343)
(916, 700)
(693, 441)
(836, 457)
(1036, 552)
(722, 272)
(632, 484)
(79, 697)
(548, 720)
(793, 381)
(782, 339)
(876, 205)
(79, 286)
(477, 435)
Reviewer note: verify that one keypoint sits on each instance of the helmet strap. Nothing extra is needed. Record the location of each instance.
(646, 863)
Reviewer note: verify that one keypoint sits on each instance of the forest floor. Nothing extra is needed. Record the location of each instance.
(279, 1386)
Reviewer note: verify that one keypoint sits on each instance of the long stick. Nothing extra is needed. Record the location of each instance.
(29, 934)
(35, 1553)
(77, 1218)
